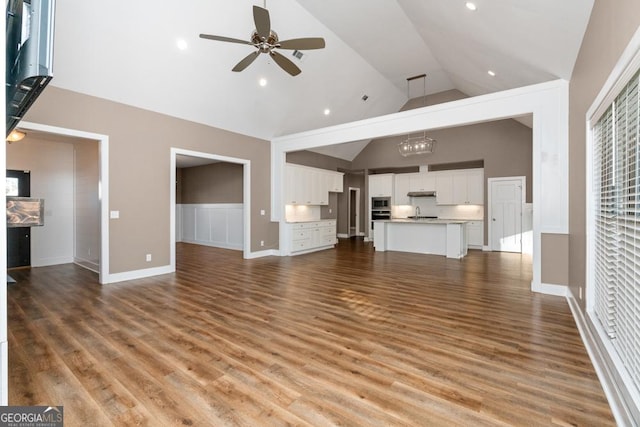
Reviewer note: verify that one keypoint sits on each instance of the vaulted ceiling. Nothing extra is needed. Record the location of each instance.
(127, 51)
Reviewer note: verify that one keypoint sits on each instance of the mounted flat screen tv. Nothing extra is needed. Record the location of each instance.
(29, 54)
(25, 212)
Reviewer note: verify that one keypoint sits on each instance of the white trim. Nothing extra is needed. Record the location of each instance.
(88, 265)
(45, 262)
(139, 274)
(486, 248)
(262, 254)
(214, 205)
(214, 245)
(103, 182)
(547, 102)
(599, 360)
(246, 197)
(623, 397)
(357, 208)
(343, 236)
(550, 289)
(625, 68)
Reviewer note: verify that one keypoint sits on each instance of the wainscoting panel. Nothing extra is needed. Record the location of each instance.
(218, 225)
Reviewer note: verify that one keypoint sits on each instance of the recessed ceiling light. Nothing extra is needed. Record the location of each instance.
(471, 6)
(262, 82)
(491, 73)
(182, 44)
(327, 111)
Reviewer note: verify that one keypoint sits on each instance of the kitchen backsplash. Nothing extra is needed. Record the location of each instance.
(297, 213)
(428, 207)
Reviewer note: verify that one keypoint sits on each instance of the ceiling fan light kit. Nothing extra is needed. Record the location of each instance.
(265, 40)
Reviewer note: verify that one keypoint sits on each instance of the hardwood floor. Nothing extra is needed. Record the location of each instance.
(342, 337)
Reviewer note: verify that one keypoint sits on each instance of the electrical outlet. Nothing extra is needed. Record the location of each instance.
(148, 257)
(262, 212)
(330, 210)
(261, 242)
(580, 293)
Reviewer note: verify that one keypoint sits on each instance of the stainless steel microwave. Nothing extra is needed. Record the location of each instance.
(381, 203)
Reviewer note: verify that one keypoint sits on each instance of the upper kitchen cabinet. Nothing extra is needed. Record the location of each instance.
(381, 185)
(468, 187)
(422, 181)
(310, 186)
(401, 188)
(444, 189)
(460, 187)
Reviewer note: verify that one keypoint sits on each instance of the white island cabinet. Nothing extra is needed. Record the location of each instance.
(309, 236)
(438, 237)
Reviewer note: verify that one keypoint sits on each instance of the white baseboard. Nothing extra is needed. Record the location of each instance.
(45, 262)
(343, 236)
(607, 378)
(550, 289)
(89, 265)
(486, 248)
(137, 274)
(214, 245)
(262, 254)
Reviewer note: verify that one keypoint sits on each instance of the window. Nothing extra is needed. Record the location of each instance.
(615, 229)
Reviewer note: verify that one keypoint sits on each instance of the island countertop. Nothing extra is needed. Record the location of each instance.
(446, 237)
(422, 220)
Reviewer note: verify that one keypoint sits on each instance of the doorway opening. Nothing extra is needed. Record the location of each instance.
(207, 222)
(354, 212)
(69, 170)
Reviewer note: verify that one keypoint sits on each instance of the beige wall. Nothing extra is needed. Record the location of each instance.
(213, 183)
(139, 169)
(611, 26)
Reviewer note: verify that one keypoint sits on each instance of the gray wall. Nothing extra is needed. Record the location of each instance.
(139, 169)
(611, 26)
(213, 183)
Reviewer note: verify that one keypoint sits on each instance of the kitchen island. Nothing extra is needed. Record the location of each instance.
(423, 236)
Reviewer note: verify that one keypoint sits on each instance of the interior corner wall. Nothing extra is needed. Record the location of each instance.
(52, 167)
(140, 144)
(611, 26)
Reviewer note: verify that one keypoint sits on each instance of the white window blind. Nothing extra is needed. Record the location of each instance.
(616, 244)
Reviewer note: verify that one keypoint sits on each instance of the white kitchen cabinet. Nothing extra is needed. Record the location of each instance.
(444, 189)
(311, 236)
(475, 234)
(422, 181)
(463, 187)
(401, 188)
(310, 186)
(335, 181)
(475, 187)
(381, 185)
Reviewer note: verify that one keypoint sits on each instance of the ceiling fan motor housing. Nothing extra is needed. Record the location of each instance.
(267, 45)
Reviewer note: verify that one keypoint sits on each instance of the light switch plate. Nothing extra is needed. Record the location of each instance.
(114, 214)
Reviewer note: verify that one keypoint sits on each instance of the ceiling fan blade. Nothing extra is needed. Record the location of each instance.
(246, 61)
(224, 39)
(308, 43)
(285, 63)
(262, 21)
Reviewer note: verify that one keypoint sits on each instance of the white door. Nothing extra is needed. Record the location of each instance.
(507, 199)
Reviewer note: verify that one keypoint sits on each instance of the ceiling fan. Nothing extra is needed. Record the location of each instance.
(265, 40)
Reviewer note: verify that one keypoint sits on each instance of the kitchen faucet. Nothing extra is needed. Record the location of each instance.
(417, 211)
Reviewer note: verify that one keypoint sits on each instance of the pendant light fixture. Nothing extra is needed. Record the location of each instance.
(421, 144)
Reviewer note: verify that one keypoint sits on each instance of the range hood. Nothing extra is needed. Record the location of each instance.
(421, 194)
